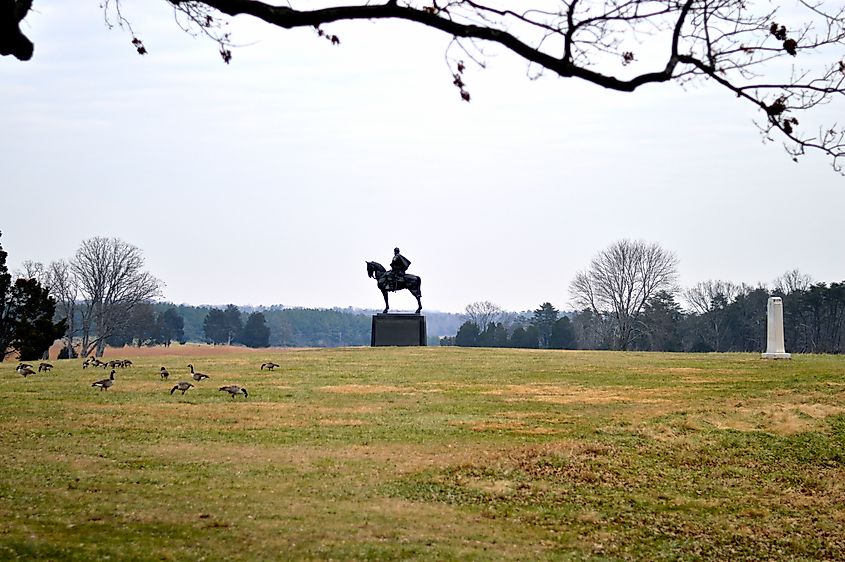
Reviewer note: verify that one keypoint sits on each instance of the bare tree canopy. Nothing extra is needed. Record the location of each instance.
(621, 279)
(63, 288)
(792, 281)
(482, 313)
(786, 58)
(111, 281)
(705, 296)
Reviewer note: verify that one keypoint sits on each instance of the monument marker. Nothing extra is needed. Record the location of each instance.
(774, 331)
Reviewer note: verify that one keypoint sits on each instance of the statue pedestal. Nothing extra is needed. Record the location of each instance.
(398, 329)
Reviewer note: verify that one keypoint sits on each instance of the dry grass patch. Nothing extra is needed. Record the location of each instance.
(341, 422)
(366, 389)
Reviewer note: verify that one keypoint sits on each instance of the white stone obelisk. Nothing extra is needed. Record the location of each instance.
(774, 331)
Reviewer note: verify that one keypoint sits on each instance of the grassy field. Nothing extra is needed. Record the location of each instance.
(427, 453)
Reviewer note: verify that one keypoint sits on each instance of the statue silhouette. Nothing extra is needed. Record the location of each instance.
(396, 279)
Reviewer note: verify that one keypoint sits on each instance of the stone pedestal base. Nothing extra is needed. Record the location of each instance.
(776, 356)
(398, 329)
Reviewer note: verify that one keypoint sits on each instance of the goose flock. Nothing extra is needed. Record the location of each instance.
(25, 370)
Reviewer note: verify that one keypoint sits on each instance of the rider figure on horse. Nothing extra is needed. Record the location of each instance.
(398, 265)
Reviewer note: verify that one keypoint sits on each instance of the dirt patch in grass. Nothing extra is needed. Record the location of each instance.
(781, 418)
(558, 394)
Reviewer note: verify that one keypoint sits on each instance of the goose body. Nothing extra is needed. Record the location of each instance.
(181, 385)
(270, 366)
(23, 366)
(197, 376)
(105, 384)
(164, 374)
(25, 371)
(44, 367)
(234, 390)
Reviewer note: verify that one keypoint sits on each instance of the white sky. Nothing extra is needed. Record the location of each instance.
(271, 180)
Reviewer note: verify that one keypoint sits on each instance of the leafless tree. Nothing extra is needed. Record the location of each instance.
(111, 281)
(621, 279)
(785, 59)
(709, 299)
(705, 295)
(32, 270)
(483, 313)
(792, 281)
(63, 288)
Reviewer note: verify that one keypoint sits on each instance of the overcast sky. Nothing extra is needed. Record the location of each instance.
(272, 180)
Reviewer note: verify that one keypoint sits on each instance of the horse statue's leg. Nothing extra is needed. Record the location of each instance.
(386, 306)
(419, 304)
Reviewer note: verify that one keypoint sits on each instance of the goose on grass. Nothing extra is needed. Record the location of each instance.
(183, 386)
(105, 384)
(234, 390)
(195, 375)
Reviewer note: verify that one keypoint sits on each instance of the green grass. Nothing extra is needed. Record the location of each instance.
(428, 453)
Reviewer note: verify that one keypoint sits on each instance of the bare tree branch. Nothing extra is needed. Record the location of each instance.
(790, 67)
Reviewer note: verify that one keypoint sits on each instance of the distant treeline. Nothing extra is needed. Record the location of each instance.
(723, 317)
(152, 324)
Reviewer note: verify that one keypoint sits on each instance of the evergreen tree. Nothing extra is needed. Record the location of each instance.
(255, 332)
(214, 327)
(563, 335)
(6, 315)
(532, 337)
(467, 335)
(544, 320)
(661, 319)
(140, 328)
(34, 309)
(171, 326)
(26, 316)
(517, 338)
(500, 335)
(234, 324)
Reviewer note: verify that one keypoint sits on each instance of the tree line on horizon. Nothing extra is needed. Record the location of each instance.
(626, 299)
(814, 322)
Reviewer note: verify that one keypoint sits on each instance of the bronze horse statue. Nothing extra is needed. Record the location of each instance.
(387, 282)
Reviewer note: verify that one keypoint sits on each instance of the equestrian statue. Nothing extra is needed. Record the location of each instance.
(396, 279)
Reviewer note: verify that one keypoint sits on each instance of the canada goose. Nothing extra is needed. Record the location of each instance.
(22, 366)
(270, 366)
(127, 363)
(44, 367)
(105, 384)
(164, 374)
(25, 371)
(181, 385)
(234, 389)
(197, 376)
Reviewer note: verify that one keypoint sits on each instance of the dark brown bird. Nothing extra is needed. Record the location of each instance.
(197, 376)
(164, 374)
(270, 366)
(234, 390)
(181, 385)
(44, 367)
(25, 370)
(105, 384)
